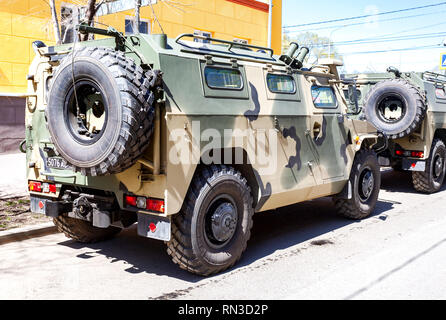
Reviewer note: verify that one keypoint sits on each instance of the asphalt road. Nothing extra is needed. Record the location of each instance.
(300, 252)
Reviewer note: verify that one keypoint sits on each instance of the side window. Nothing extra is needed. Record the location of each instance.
(222, 78)
(324, 97)
(278, 83)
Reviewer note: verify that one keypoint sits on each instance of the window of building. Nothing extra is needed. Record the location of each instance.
(221, 78)
(324, 97)
(144, 26)
(278, 83)
(242, 41)
(203, 34)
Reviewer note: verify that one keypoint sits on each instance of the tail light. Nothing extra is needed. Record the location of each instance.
(37, 186)
(412, 154)
(417, 154)
(149, 204)
(155, 205)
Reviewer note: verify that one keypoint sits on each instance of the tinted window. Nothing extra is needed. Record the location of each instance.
(281, 83)
(219, 78)
(324, 97)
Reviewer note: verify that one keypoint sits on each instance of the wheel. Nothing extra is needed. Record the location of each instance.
(104, 125)
(83, 231)
(365, 180)
(432, 178)
(212, 231)
(395, 107)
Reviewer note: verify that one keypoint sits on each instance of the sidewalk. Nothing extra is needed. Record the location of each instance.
(13, 175)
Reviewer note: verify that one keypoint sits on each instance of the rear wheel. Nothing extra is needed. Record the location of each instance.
(212, 231)
(83, 231)
(431, 180)
(365, 181)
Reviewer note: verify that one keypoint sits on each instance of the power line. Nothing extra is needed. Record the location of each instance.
(392, 50)
(366, 16)
(387, 39)
(363, 23)
(407, 30)
(383, 40)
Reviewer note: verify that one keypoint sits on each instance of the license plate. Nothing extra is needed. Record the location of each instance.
(58, 163)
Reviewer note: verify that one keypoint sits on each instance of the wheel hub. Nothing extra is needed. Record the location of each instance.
(438, 166)
(224, 221)
(366, 184)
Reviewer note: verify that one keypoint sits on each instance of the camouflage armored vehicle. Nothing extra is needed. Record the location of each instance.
(410, 108)
(188, 139)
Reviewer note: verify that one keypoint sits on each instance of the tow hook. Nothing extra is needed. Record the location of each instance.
(83, 209)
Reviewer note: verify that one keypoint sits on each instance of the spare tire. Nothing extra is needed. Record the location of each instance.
(395, 107)
(104, 125)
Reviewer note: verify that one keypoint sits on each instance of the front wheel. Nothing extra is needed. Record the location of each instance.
(432, 178)
(212, 231)
(365, 182)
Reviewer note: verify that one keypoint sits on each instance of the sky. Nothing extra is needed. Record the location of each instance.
(429, 24)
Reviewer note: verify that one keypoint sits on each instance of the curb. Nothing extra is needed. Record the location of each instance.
(20, 234)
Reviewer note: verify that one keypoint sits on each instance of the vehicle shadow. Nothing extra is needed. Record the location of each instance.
(274, 230)
(399, 181)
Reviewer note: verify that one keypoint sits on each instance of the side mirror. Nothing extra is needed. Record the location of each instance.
(353, 97)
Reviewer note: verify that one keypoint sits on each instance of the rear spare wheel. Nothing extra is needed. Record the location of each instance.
(100, 110)
(395, 107)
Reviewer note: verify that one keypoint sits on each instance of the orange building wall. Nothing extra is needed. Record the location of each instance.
(24, 21)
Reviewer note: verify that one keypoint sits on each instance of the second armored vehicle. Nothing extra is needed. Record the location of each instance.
(410, 108)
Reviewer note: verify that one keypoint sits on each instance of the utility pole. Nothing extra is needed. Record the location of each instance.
(270, 21)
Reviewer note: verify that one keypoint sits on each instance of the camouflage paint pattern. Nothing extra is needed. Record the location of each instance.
(314, 148)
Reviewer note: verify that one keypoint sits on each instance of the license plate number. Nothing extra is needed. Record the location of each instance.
(58, 163)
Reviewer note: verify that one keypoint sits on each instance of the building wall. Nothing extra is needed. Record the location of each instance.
(24, 21)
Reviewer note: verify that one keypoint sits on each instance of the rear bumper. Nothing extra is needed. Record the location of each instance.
(49, 207)
(149, 226)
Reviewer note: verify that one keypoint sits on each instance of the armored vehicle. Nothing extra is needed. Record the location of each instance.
(410, 108)
(188, 137)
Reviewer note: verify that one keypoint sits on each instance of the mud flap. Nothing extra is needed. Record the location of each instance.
(413, 165)
(154, 227)
(346, 193)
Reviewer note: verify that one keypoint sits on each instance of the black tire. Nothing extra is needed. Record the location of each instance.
(392, 94)
(83, 231)
(194, 246)
(431, 180)
(122, 98)
(364, 196)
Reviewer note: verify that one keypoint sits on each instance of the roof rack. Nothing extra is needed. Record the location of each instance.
(230, 43)
(434, 77)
